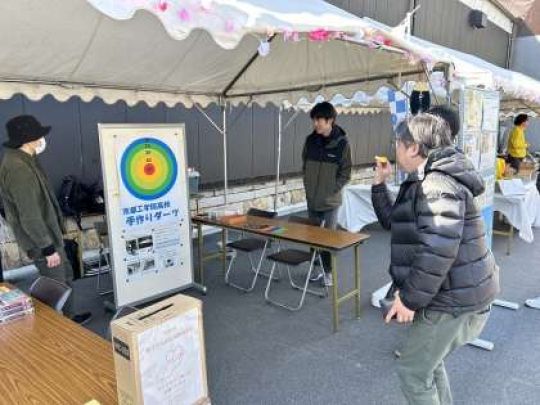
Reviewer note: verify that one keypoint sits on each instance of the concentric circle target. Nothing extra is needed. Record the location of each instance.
(149, 168)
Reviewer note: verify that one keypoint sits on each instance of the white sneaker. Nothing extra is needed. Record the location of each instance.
(328, 280)
(316, 276)
(533, 303)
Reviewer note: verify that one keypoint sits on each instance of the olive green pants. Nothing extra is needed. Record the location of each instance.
(433, 336)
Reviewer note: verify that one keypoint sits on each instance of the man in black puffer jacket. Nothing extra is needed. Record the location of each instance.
(326, 169)
(444, 275)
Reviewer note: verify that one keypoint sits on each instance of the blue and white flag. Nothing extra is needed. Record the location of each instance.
(399, 106)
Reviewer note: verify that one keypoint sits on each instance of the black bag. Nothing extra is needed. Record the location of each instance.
(72, 252)
(70, 197)
(76, 198)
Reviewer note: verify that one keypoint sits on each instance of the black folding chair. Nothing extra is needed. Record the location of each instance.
(249, 246)
(51, 292)
(103, 255)
(295, 258)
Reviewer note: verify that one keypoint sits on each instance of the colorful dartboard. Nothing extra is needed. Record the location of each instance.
(149, 169)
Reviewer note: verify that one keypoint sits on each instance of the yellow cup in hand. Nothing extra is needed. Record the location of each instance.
(383, 160)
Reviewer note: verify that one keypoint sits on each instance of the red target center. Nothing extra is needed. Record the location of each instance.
(149, 169)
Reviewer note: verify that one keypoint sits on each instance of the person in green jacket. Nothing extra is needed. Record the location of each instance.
(326, 168)
(30, 206)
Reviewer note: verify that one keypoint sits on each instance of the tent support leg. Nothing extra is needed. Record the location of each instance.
(223, 131)
(281, 128)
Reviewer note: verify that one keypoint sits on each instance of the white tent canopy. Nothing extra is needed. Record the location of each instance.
(519, 91)
(191, 51)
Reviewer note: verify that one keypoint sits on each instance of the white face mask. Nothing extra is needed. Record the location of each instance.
(41, 147)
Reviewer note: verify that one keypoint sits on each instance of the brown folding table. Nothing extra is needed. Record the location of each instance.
(329, 240)
(46, 358)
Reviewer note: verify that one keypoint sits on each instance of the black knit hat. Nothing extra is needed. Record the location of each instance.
(23, 129)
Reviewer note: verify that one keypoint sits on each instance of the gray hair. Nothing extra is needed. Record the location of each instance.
(428, 131)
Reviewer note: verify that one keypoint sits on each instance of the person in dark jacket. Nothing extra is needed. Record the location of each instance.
(326, 169)
(30, 205)
(444, 275)
(450, 115)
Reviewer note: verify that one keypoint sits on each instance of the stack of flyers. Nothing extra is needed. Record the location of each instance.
(14, 304)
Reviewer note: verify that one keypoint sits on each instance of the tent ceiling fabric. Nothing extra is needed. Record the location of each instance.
(307, 69)
(80, 48)
(228, 21)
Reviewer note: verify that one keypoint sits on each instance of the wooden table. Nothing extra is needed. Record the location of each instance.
(47, 359)
(311, 236)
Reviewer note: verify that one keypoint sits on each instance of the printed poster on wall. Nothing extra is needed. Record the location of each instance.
(480, 114)
(147, 206)
(472, 117)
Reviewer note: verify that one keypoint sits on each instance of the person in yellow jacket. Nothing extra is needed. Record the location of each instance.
(500, 168)
(517, 144)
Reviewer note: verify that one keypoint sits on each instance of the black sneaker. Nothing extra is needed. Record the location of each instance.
(83, 318)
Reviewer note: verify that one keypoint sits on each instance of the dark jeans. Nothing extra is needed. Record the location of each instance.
(514, 162)
(330, 222)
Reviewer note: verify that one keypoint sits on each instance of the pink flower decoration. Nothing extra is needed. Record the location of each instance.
(380, 39)
(162, 6)
(184, 15)
(319, 35)
(289, 35)
(229, 26)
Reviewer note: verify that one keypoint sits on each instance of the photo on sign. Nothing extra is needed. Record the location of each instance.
(133, 268)
(149, 265)
(136, 246)
(132, 247)
(146, 242)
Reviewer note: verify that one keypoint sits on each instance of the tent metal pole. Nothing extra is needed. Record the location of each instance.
(223, 132)
(281, 128)
(225, 155)
(327, 85)
(278, 162)
(291, 120)
(209, 119)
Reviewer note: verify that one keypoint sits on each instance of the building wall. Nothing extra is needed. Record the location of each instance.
(526, 55)
(526, 59)
(389, 12)
(445, 22)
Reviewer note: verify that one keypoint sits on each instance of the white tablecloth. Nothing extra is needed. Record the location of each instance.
(522, 211)
(357, 209)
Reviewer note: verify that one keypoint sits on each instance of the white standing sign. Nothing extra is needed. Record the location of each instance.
(144, 171)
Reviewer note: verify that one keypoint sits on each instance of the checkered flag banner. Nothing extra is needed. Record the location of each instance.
(399, 106)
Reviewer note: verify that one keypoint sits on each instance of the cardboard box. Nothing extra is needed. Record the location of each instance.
(159, 354)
